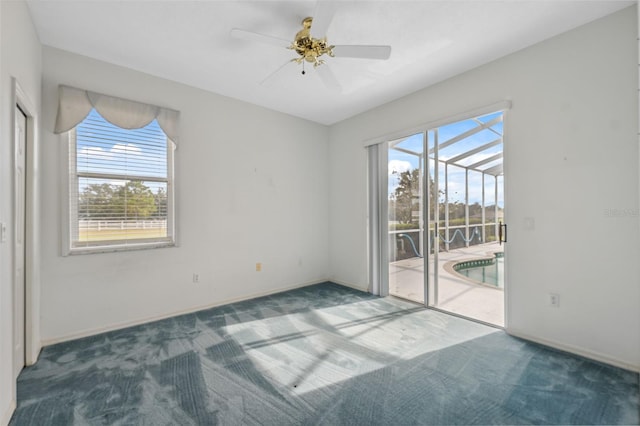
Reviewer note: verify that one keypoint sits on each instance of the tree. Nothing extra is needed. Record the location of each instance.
(136, 199)
(133, 200)
(406, 197)
(407, 190)
(160, 199)
(96, 201)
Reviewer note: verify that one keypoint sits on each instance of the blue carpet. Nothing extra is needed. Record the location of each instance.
(319, 355)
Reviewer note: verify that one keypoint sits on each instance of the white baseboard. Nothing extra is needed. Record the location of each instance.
(8, 413)
(350, 285)
(126, 324)
(32, 357)
(596, 356)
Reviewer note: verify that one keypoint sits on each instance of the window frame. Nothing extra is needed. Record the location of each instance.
(69, 215)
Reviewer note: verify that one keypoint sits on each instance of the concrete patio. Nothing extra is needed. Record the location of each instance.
(455, 293)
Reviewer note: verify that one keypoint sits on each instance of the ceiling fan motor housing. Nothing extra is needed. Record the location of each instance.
(310, 49)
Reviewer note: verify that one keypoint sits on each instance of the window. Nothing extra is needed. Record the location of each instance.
(120, 172)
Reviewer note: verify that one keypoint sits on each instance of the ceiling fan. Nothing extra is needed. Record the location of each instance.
(311, 46)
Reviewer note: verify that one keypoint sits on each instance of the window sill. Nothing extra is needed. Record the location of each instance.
(119, 248)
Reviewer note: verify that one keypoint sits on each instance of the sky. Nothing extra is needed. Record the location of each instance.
(400, 161)
(102, 147)
(106, 148)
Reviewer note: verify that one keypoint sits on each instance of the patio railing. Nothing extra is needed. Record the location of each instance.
(407, 243)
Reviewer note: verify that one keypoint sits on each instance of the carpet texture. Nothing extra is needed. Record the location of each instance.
(319, 355)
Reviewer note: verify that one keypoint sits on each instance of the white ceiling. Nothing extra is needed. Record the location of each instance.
(189, 42)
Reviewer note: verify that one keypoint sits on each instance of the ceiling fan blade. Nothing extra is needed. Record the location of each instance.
(259, 38)
(322, 17)
(363, 51)
(271, 79)
(329, 78)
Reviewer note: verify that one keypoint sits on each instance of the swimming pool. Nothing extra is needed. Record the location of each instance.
(487, 271)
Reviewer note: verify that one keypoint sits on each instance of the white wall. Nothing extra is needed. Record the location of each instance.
(571, 156)
(20, 59)
(251, 187)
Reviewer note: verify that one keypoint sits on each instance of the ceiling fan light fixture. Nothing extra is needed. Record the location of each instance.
(310, 49)
(311, 46)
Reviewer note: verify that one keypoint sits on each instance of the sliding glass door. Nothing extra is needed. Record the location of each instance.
(405, 197)
(445, 209)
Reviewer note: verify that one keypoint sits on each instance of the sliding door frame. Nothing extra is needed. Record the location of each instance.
(378, 205)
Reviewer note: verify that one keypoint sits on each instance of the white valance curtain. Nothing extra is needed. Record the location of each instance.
(75, 104)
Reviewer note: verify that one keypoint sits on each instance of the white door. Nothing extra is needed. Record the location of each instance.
(19, 248)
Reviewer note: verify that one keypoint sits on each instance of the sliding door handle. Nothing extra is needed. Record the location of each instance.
(502, 233)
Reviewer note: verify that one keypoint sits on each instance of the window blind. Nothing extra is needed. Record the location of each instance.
(120, 184)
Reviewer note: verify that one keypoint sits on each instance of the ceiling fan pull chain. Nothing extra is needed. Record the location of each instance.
(303, 72)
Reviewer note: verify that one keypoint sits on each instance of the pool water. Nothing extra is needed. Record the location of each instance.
(491, 272)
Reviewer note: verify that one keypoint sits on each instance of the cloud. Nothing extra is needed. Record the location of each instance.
(398, 166)
(93, 151)
(117, 159)
(117, 152)
(128, 149)
(394, 168)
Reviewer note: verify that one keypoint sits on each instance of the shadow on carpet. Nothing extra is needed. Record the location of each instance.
(321, 355)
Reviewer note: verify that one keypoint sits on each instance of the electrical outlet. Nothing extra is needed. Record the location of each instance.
(554, 300)
(196, 278)
(258, 267)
